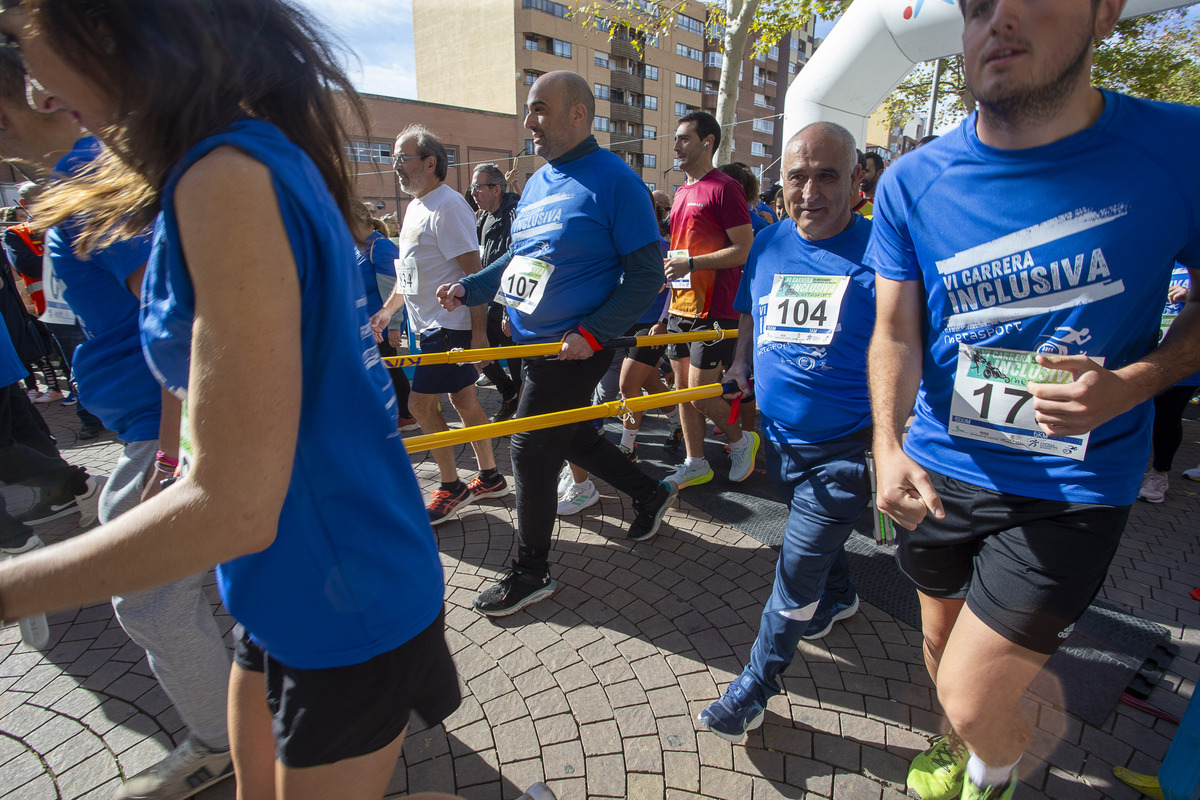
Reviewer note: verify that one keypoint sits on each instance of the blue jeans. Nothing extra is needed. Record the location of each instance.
(827, 489)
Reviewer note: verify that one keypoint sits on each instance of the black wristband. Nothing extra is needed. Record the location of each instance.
(691, 264)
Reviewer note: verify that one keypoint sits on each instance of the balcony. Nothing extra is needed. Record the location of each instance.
(624, 143)
(624, 49)
(623, 113)
(621, 79)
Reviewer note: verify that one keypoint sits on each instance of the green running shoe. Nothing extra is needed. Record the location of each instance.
(1002, 792)
(938, 773)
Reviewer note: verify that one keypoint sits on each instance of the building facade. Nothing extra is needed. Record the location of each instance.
(487, 53)
(471, 136)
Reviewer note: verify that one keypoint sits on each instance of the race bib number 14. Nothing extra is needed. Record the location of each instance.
(992, 403)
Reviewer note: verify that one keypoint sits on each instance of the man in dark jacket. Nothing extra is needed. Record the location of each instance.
(499, 206)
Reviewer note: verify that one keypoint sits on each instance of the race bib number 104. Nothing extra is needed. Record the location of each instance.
(804, 308)
(992, 402)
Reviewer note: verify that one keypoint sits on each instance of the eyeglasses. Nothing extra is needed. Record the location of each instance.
(475, 187)
(400, 158)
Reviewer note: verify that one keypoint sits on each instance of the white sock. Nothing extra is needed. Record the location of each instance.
(695, 463)
(742, 443)
(672, 415)
(983, 776)
(628, 435)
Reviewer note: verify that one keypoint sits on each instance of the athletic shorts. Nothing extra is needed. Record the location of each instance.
(704, 355)
(444, 378)
(1028, 568)
(651, 355)
(320, 716)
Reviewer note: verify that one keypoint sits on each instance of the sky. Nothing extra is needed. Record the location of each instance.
(379, 35)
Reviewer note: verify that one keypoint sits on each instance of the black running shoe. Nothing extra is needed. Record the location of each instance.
(650, 513)
(516, 589)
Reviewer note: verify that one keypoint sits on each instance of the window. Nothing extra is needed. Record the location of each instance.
(529, 147)
(688, 52)
(649, 160)
(602, 24)
(601, 60)
(732, 145)
(603, 124)
(374, 152)
(650, 102)
(682, 108)
(760, 100)
(758, 149)
(547, 7)
(763, 125)
(562, 48)
(793, 68)
(690, 25)
(651, 186)
(531, 43)
(531, 76)
(713, 59)
(649, 132)
(451, 160)
(601, 91)
(676, 165)
(773, 53)
(687, 82)
(711, 87)
(650, 72)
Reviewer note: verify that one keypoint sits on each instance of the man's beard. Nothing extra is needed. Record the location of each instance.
(1012, 107)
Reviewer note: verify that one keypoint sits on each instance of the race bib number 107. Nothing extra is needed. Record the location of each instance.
(992, 403)
(524, 283)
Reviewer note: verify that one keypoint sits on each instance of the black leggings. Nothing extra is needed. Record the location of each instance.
(1168, 424)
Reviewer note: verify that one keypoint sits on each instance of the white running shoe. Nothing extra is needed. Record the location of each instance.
(565, 479)
(188, 770)
(741, 456)
(690, 476)
(49, 397)
(578, 497)
(1192, 474)
(89, 501)
(1154, 486)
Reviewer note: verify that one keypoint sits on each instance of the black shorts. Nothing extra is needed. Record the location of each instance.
(1028, 568)
(320, 716)
(651, 355)
(704, 355)
(444, 378)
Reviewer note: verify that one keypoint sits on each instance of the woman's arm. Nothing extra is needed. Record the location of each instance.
(228, 505)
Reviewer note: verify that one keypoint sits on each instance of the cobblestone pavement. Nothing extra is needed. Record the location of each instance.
(596, 690)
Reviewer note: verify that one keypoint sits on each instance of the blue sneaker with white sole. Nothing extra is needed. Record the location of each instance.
(739, 710)
(828, 612)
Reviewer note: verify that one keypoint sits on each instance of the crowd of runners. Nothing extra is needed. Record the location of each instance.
(985, 316)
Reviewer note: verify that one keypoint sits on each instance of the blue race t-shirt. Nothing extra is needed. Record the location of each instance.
(114, 382)
(580, 217)
(1046, 249)
(376, 256)
(815, 391)
(354, 569)
(1179, 277)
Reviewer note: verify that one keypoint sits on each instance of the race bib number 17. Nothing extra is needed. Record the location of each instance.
(992, 402)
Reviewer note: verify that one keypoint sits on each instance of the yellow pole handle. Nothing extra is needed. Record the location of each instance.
(556, 418)
(550, 348)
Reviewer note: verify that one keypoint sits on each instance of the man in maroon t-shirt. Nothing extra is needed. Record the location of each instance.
(710, 239)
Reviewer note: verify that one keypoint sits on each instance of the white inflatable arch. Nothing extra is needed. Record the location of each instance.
(874, 45)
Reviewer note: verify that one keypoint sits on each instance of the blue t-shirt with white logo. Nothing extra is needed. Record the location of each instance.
(1048, 249)
(810, 392)
(1180, 277)
(354, 569)
(580, 217)
(114, 382)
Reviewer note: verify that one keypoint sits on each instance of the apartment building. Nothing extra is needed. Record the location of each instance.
(487, 53)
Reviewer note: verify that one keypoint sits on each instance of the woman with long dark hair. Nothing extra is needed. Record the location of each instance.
(223, 127)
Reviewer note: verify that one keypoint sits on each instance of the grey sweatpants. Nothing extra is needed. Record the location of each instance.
(174, 623)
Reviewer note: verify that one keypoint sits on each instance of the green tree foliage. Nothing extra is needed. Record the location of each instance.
(736, 24)
(1156, 57)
